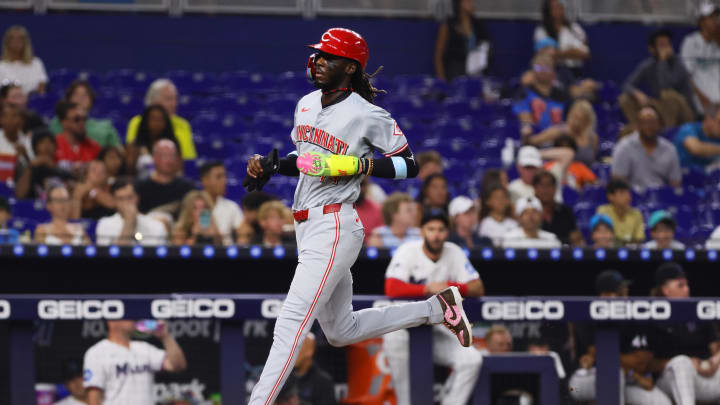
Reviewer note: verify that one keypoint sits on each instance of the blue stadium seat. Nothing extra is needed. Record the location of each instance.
(32, 209)
(23, 225)
(6, 190)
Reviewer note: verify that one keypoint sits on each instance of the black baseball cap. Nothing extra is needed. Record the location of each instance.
(434, 214)
(610, 281)
(668, 271)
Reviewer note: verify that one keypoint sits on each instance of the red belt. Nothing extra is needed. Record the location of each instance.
(302, 215)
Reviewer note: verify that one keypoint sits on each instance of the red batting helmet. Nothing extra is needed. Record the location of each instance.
(345, 43)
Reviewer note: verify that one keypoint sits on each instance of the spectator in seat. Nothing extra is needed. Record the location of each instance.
(687, 355)
(101, 131)
(164, 189)
(369, 211)
(15, 146)
(429, 162)
(12, 94)
(74, 148)
(31, 179)
(643, 158)
(636, 385)
(59, 231)
(154, 125)
(128, 226)
(315, 386)
(196, 224)
(573, 49)
(602, 232)
(434, 193)
(627, 221)
(662, 231)
(557, 218)
(492, 177)
(92, 198)
(272, 218)
(423, 268)
(398, 212)
(529, 161)
(660, 80)
(528, 211)
(701, 55)
(114, 159)
(104, 361)
(698, 143)
(227, 214)
(713, 241)
(19, 62)
(250, 227)
(496, 213)
(463, 44)
(580, 125)
(164, 93)
(578, 175)
(464, 224)
(7, 235)
(541, 104)
(73, 382)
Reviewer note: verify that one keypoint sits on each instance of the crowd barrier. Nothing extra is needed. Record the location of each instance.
(21, 310)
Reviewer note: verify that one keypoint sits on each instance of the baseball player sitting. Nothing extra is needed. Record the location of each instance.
(636, 384)
(424, 268)
(687, 354)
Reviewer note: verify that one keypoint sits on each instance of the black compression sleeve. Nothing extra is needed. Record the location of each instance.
(287, 166)
(385, 167)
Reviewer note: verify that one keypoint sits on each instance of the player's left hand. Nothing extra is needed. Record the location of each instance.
(162, 331)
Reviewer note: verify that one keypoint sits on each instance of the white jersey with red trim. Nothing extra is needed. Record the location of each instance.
(352, 127)
(411, 265)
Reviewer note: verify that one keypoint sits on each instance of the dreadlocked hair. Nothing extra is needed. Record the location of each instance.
(361, 84)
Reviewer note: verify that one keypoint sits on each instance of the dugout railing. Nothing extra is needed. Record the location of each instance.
(20, 311)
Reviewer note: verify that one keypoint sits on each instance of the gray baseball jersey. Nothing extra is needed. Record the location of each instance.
(352, 127)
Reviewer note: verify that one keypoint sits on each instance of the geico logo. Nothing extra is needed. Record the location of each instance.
(708, 310)
(4, 309)
(81, 309)
(523, 310)
(656, 310)
(197, 308)
(270, 308)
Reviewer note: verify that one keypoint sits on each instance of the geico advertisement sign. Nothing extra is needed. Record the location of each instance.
(637, 309)
(270, 308)
(193, 308)
(708, 310)
(81, 309)
(530, 310)
(4, 309)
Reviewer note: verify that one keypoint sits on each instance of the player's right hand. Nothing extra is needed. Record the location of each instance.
(254, 168)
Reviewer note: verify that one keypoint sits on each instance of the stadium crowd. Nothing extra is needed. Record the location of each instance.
(70, 178)
(154, 187)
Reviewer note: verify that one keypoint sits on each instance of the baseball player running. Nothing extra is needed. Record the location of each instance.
(421, 268)
(337, 129)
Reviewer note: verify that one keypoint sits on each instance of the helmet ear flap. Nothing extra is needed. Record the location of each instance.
(310, 70)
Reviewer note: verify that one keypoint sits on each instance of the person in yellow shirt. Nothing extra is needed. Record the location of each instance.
(628, 221)
(164, 93)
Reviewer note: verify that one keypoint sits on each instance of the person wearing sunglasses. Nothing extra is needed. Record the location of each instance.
(74, 148)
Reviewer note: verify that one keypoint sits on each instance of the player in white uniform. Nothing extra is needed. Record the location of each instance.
(120, 371)
(337, 130)
(421, 268)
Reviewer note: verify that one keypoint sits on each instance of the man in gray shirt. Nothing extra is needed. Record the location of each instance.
(660, 80)
(644, 159)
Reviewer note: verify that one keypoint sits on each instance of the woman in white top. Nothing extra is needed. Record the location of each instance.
(496, 214)
(572, 41)
(19, 63)
(58, 231)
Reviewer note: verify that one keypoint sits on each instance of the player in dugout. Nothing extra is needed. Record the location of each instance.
(423, 268)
